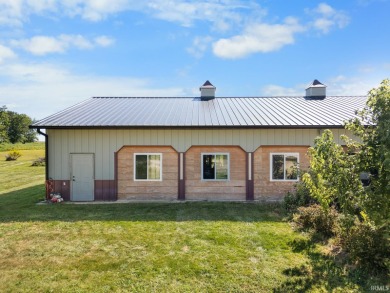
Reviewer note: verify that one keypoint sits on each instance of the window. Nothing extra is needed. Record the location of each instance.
(147, 167)
(215, 167)
(284, 167)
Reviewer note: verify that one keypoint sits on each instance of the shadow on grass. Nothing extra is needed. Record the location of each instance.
(323, 272)
(21, 205)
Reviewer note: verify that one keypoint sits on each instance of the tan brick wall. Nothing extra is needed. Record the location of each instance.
(264, 188)
(234, 189)
(166, 189)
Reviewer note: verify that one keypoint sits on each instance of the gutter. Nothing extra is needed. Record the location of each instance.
(46, 152)
(196, 127)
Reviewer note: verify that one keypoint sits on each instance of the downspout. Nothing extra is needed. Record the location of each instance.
(46, 152)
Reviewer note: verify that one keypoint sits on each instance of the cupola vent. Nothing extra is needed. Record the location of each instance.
(316, 90)
(207, 91)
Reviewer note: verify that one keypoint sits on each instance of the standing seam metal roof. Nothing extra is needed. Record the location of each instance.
(331, 111)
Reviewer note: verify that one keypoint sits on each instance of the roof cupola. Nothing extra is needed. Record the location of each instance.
(316, 90)
(207, 91)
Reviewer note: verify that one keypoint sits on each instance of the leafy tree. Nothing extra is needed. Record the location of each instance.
(362, 227)
(334, 177)
(372, 126)
(14, 127)
(4, 123)
(31, 134)
(18, 127)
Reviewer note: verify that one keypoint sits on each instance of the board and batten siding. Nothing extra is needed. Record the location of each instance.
(105, 142)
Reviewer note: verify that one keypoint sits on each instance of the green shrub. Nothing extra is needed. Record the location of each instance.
(13, 156)
(315, 219)
(39, 162)
(298, 198)
(367, 245)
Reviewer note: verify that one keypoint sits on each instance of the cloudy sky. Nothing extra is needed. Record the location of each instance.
(54, 54)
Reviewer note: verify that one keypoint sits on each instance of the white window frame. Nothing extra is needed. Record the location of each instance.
(147, 167)
(284, 162)
(214, 154)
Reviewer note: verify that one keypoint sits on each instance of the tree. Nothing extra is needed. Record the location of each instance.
(4, 123)
(31, 134)
(362, 228)
(14, 127)
(334, 176)
(372, 126)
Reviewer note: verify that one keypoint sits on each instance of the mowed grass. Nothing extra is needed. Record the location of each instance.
(39, 145)
(18, 174)
(153, 247)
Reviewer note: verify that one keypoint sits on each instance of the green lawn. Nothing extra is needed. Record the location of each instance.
(156, 247)
(4, 147)
(15, 175)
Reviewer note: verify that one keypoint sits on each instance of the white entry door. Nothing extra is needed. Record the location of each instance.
(82, 177)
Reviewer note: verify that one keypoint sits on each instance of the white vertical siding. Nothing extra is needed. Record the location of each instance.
(65, 159)
(107, 136)
(99, 152)
(105, 142)
(338, 132)
(112, 146)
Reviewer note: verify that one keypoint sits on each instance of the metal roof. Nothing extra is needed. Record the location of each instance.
(258, 112)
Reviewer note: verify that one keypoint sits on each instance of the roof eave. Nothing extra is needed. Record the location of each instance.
(187, 127)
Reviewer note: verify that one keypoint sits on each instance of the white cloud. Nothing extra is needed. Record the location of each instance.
(352, 85)
(104, 41)
(16, 12)
(10, 13)
(258, 38)
(339, 85)
(199, 46)
(40, 89)
(42, 45)
(6, 53)
(222, 14)
(328, 18)
(280, 91)
(97, 10)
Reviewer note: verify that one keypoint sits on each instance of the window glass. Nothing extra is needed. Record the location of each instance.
(221, 162)
(141, 171)
(277, 167)
(154, 167)
(215, 167)
(291, 167)
(284, 166)
(147, 167)
(208, 167)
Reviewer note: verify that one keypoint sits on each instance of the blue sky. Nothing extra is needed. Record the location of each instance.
(54, 54)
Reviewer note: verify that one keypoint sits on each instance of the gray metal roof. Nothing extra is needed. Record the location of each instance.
(262, 112)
